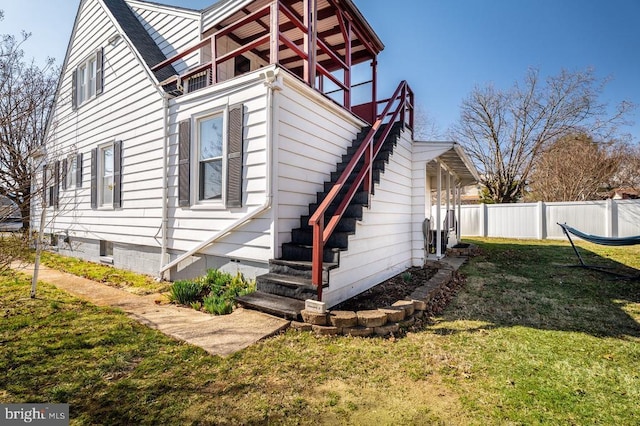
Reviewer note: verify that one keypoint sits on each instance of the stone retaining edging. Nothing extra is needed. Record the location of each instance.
(425, 301)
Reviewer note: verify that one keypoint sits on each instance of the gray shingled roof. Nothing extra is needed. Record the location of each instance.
(141, 39)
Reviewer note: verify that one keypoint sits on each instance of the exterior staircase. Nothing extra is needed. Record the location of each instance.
(284, 289)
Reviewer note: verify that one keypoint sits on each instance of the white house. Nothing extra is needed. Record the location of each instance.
(184, 140)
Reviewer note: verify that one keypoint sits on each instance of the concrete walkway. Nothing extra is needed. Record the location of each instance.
(218, 335)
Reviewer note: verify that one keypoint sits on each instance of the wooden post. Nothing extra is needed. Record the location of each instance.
(347, 72)
(275, 33)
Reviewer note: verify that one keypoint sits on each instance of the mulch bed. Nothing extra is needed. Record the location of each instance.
(389, 291)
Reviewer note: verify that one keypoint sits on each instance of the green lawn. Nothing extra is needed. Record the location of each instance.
(526, 341)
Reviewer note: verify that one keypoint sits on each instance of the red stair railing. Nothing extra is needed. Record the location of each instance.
(403, 100)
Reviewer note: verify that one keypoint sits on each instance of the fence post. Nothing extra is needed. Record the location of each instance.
(541, 221)
(615, 232)
(609, 217)
(483, 219)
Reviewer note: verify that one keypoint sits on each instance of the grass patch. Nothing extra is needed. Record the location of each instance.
(527, 341)
(127, 280)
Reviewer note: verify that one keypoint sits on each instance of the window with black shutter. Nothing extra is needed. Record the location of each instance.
(211, 171)
(106, 175)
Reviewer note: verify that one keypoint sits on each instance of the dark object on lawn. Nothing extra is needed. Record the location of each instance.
(604, 241)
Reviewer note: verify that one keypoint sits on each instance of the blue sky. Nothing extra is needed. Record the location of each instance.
(444, 48)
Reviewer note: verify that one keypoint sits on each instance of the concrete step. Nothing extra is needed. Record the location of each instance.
(299, 268)
(284, 307)
(293, 286)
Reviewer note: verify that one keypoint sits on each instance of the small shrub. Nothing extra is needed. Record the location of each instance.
(218, 305)
(185, 292)
(213, 293)
(407, 277)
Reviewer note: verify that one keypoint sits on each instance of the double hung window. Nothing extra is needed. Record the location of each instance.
(87, 79)
(210, 167)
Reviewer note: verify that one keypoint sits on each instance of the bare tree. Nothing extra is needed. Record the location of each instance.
(505, 131)
(628, 173)
(425, 127)
(26, 96)
(575, 168)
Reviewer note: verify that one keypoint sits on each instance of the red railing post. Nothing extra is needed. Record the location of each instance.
(317, 255)
(368, 166)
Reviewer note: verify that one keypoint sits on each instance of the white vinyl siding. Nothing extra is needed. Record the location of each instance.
(383, 243)
(130, 110)
(313, 135)
(173, 30)
(199, 221)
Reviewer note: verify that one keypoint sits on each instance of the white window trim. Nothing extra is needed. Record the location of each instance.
(85, 85)
(195, 160)
(100, 170)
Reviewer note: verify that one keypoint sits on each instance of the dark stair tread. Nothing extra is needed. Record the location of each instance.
(285, 307)
(287, 280)
(302, 264)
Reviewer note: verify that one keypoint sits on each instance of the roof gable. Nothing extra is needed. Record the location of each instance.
(141, 39)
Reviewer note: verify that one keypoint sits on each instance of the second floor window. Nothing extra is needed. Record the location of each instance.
(87, 79)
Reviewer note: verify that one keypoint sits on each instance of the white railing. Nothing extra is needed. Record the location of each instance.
(607, 218)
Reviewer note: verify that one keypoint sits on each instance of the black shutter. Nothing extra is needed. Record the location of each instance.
(234, 157)
(45, 187)
(79, 170)
(64, 171)
(74, 89)
(184, 162)
(99, 72)
(117, 174)
(56, 185)
(94, 178)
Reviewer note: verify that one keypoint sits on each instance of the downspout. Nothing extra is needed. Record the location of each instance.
(165, 186)
(273, 84)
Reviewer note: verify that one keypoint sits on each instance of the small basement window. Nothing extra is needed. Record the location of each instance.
(106, 251)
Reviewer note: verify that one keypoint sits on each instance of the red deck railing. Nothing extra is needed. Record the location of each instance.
(273, 36)
(398, 108)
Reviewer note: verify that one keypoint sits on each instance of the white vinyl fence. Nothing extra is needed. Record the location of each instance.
(608, 218)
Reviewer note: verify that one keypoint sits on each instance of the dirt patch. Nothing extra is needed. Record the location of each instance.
(389, 291)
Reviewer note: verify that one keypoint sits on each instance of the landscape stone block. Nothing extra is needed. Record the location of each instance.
(394, 313)
(407, 305)
(371, 318)
(343, 319)
(313, 318)
(325, 330)
(387, 329)
(300, 326)
(418, 305)
(357, 331)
